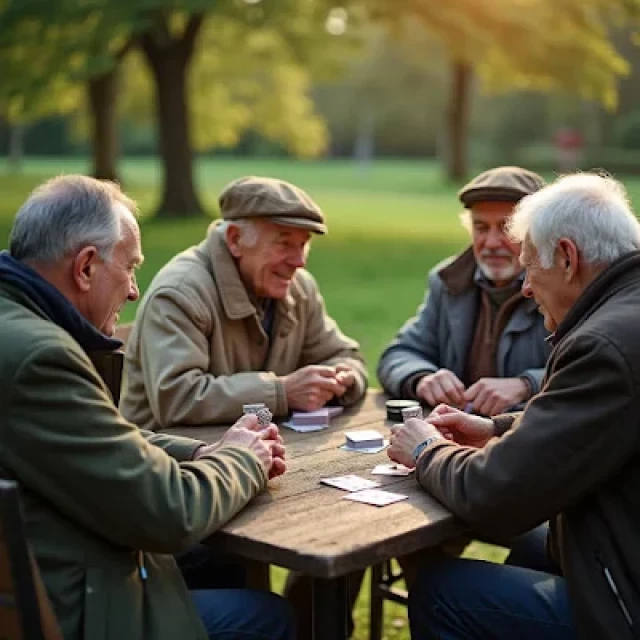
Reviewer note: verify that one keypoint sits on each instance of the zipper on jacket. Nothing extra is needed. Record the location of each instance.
(142, 570)
(614, 588)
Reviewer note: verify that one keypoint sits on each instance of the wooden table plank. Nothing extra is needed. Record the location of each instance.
(300, 524)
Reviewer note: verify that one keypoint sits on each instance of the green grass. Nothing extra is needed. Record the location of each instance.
(387, 227)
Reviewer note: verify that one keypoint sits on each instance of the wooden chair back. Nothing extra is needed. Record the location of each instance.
(25, 609)
(123, 331)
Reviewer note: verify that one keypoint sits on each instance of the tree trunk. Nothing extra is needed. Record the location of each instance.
(458, 120)
(169, 63)
(16, 146)
(102, 91)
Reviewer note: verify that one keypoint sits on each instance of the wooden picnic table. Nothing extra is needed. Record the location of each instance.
(300, 524)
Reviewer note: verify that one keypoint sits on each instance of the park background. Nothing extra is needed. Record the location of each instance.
(380, 109)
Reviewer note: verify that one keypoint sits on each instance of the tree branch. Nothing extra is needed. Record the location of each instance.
(190, 34)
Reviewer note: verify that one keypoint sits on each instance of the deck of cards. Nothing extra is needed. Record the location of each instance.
(365, 440)
(303, 421)
(411, 412)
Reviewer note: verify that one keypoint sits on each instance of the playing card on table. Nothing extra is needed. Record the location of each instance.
(350, 483)
(376, 497)
(391, 469)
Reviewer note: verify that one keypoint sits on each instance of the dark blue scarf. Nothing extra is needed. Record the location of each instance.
(54, 305)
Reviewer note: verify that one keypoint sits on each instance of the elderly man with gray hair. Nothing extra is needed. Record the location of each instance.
(106, 503)
(238, 320)
(571, 457)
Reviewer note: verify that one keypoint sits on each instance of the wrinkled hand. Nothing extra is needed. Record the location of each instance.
(265, 442)
(490, 396)
(311, 387)
(441, 386)
(345, 376)
(461, 427)
(406, 437)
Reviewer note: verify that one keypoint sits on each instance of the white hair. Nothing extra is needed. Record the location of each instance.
(591, 210)
(66, 214)
(249, 230)
(466, 221)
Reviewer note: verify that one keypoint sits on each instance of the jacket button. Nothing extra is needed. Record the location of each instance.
(90, 590)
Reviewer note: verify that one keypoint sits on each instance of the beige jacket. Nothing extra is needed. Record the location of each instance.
(198, 351)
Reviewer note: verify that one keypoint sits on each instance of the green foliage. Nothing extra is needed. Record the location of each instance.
(262, 85)
(529, 44)
(627, 131)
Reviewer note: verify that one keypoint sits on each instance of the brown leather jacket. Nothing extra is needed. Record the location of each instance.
(571, 457)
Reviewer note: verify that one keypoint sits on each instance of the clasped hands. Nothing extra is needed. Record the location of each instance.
(265, 442)
(311, 387)
(445, 421)
(487, 396)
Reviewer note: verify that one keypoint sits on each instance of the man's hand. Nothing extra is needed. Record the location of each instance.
(310, 388)
(265, 442)
(441, 386)
(406, 437)
(345, 376)
(490, 396)
(461, 427)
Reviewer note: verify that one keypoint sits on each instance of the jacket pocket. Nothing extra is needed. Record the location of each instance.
(615, 585)
(95, 605)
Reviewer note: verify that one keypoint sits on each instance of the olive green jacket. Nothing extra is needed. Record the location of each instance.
(105, 503)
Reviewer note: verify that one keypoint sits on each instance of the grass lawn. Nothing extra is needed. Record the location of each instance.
(387, 227)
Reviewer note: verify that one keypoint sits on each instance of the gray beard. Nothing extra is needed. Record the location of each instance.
(499, 274)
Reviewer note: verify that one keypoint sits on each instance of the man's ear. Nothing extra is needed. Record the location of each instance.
(83, 267)
(569, 258)
(232, 236)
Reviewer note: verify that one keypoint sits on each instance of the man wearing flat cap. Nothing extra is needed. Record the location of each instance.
(237, 320)
(476, 342)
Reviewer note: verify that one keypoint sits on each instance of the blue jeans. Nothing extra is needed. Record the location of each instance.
(242, 614)
(529, 550)
(471, 599)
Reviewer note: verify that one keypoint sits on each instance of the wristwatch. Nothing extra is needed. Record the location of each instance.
(423, 445)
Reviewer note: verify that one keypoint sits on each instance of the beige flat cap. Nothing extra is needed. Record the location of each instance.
(273, 200)
(509, 184)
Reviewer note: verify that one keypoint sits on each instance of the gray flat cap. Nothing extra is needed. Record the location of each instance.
(273, 200)
(509, 184)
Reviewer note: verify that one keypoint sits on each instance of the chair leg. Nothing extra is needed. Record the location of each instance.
(376, 604)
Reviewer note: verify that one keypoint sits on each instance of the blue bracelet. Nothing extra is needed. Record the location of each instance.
(423, 445)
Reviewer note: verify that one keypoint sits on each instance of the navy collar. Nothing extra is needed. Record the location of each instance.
(54, 305)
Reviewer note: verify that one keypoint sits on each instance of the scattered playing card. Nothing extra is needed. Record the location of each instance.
(350, 483)
(391, 469)
(375, 497)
